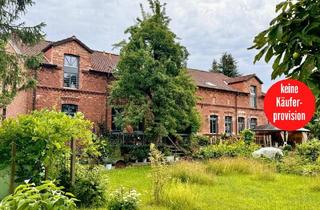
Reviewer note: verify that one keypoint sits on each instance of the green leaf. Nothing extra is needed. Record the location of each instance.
(307, 67)
(269, 54)
(279, 31)
(260, 54)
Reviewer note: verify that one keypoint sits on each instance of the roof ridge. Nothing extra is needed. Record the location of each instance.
(101, 51)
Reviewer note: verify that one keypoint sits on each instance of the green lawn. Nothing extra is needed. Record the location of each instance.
(231, 191)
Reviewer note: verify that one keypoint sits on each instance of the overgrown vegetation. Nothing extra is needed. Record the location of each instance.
(226, 149)
(42, 142)
(303, 161)
(45, 196)
(191, 172)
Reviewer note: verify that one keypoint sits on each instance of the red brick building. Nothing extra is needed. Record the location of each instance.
(74, 77)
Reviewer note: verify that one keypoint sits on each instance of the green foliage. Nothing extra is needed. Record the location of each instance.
(247, 136)
(152, 85)
(10, 14)
(314, 126)
(139, 153)
(42, 197)
(42, 141)
(123, 199)
(294, 164)
(90, 186)
(293, 40)
(159, 174)
(200, 140)
(13, 77)
(226, 66)
(310, 150)
(239, 148)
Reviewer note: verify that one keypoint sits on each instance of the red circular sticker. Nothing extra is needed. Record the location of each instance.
(289, 104)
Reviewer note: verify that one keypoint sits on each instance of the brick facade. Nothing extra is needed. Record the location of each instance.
(222, 99)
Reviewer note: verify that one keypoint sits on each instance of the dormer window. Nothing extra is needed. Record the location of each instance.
(253, 96)
(71, 71)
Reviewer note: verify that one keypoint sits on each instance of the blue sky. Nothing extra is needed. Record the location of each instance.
(206, 27)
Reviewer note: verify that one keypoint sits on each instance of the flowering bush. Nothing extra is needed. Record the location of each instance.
(124, 199)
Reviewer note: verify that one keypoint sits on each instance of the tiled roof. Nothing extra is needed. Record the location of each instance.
(106, 62)
(242, 79)
(101, 61)
(211, 80)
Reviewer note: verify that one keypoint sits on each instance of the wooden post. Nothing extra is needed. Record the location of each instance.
(13, 167)
(73, 162)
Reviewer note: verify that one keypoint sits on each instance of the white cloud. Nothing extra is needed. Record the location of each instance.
(206, 27)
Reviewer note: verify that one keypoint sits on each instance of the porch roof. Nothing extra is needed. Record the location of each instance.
(271, 128)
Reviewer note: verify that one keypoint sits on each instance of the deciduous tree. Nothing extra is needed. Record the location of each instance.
(293, 40)
(152, 85)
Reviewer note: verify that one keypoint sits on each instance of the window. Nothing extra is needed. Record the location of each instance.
(253, 123)
(71, 71)
(241, 124)
(114, 113)
(253, 96)
(228, 125)
(213, 124)
(69, 109)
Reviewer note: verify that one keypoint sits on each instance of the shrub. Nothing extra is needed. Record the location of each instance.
(46, 196)
(226, 150)
(178, 196)
(191, 172)
(227, 166)
(139, 153)
(90, 185)
(247, 136)
(200, 140)
(310, 150)
(42, 140)
(295, 164)
(123, 199)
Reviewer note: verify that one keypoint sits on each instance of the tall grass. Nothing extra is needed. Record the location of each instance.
(191, 172)
(179, 196)
(229, 166)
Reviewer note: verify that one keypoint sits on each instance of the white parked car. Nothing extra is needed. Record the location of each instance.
(268, 152)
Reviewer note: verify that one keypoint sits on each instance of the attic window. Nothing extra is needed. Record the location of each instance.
(210, 84)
